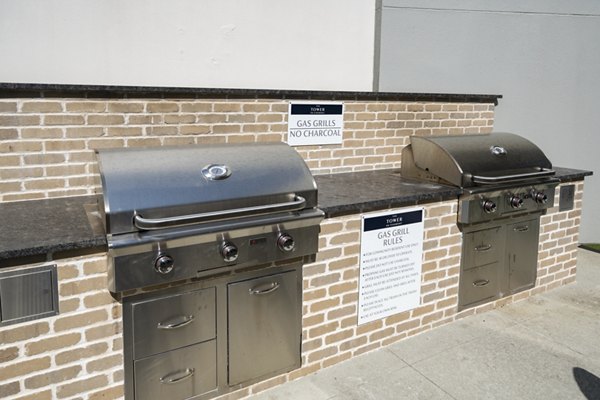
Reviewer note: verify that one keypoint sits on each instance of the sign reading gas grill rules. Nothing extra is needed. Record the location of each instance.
(315, 123)
(391, 251)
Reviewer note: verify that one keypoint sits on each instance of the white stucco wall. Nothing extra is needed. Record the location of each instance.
(267, 44)
(543, 56)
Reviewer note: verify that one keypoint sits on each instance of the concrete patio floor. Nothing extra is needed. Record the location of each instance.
(545, 347)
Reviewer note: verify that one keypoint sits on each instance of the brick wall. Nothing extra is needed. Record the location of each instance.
(78, 354)
(46, 145)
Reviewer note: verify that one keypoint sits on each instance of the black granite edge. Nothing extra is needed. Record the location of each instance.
(571, 174)
(392, 202)
(89, 242)
(44, 90)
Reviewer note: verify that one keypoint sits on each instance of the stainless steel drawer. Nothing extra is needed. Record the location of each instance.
(171, 322)
(264, 326)
(478, 284)
(483, 247)
(178, 374)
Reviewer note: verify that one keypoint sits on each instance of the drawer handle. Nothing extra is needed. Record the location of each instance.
(265, 288)
(180, 322)
(483, 247)
(521, 228)
(178, 376)
(481, 282)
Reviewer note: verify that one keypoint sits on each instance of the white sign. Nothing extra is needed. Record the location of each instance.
(315, 123)
(391, 251)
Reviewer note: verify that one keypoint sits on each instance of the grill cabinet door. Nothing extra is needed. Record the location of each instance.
(264, 326)
(522, 252)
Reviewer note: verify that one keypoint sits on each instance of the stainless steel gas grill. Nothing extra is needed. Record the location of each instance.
(507, 185)
(205, 247)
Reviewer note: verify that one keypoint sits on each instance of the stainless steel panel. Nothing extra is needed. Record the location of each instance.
(177, 375)
(167, 323)
(522, 252)
(168, 182)
(483, 247)
(28, 294)
(197, 256)
(264, 326)
(490, 158)
(566, 200)
(479, 285)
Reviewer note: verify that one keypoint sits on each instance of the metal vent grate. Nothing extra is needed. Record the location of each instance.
(28, 294)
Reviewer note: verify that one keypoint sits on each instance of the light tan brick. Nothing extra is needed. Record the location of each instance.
(9, 389)
(52, 343)
(8, 106)
(8, 354)
(80, 353)
(343, 287)
(52, 377)
(323, 353)
(105, 119)
(12, 335)
(305, 370)
(324, 304)
(86, 106)
(125, 107)
(84, 385)
(19, 120)
(24, 367)
(323, 330)
(69, 305)
(103, 331)
(115, 392)
(104, 363)
(20, 147)
(121, 131)
(82, 286)
(64, 119)
(79, 320)
(44, 183)
(197, 107)
(94, 144)
(84, 132)
(162, 107)
(310, 295)
(227, 107)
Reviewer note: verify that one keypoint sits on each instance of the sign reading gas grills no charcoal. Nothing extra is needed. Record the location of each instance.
(315, 123)
(391, 251)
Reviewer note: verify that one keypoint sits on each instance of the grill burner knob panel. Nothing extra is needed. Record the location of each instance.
(489, 206)
(285, 242)
(164, 264)
(540, 197)
(229, 251)
(515, 201)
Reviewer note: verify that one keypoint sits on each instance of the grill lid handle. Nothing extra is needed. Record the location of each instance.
(148, 224)
(511, 178)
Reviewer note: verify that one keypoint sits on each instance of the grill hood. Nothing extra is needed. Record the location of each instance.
(471, 160)
(155, 188)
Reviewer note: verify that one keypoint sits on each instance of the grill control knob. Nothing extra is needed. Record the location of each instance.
(229, 251)
(489, 206)
(285, 242)
(515, 201)
(540, 197)
(164, 264)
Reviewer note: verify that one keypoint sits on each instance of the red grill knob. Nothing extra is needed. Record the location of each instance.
(489, 206)
(515, 201)
(285, 242)
(164, 264)
(229, 251)
(540, 198)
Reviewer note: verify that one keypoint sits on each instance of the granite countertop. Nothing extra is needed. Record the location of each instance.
(50, 229)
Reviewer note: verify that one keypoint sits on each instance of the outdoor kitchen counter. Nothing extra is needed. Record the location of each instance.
(50, 229)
